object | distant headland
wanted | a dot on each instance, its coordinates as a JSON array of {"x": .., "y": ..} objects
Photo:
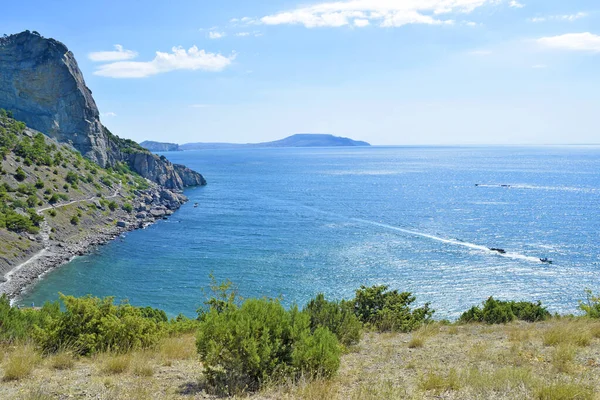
[
  {"x": 158, "y": 146},
  {"x": 298, "y": 140}
]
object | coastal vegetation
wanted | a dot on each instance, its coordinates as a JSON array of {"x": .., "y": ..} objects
[
  {"x": 50, "y": 188},
  {"x": 328, "y": 349}
]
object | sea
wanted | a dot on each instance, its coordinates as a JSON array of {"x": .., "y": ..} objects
[{"x": 290, "y": 223}]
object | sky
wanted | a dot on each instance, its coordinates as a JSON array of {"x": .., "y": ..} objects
[{"x": 390, "y": 72}]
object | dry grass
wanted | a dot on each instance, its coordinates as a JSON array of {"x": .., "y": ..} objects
[
  {"x": 568, "y": 332},
  {"x": 565, "y": 391},
  {"x": 178, "y": 348},
  {"x": 62, "y": 361},
  {"x": 20, "y": 363},
  {"x": 439, "y": 383},
  {"x": 553, "y": 360},
  {"x": 563, "y": 356},
  {"x": 142, "y": 364},
  {"x": 116, "y": 364},
  {"x": 416, "y": 342}
]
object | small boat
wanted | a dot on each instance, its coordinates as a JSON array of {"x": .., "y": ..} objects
[
  {"x": 195, "y": 205},
  {"x": 501, "y": 251},
  {"x": 546, "y": 260}
]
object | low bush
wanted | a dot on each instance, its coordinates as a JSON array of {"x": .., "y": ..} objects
[
  {"x": 17, "y": 324},
  {"x": 591, "y": 306},
  {"x": 20, "y": 175},
  {"x": 338, "y": 317},
  {"x": 389, "y": 310},
  {"x": 501, "y": 312},
  {"x": 242, "y": 347},
  {"x": 89, "y": 325}
]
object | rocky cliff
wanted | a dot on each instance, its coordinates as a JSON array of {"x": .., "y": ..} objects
[
  {"x": 159, "y": 146},
  {"x": 41, "y": 84}
]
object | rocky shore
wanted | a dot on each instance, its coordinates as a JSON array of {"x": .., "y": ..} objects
[{"x": 151, "y": 205}]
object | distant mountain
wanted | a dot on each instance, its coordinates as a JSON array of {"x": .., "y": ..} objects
[
  {"x": 298, "y": 140},
  {"x": 158, "y": 146}
]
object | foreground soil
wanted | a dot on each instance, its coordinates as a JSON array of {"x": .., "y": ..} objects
[{"x": 559, "y": 359}]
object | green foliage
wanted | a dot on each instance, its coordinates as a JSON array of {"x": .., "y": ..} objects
[
  {"x": 501, "y": 312},
  {"x": 35, "y": 151},
  {"x": 75, "y": 220},
  {"x": 16, "y": 222},
  {"x": 39, "y": 184},
  {"x": 72, "y": 178},
  {"x": 128, "y": 207},
  {"x": 53, "y": 199},
  {"x": 591, "y": 306},
  {"x": 112, "y": 205},
  {"x": 242, "y": 348},
  {"x": 90, "y": 325},
  {"x": 20, "y": 175},
  {"x": 386, "y": 310},
  {"x": 17, "y": 324},
  {"x": 338, "y": 317}
]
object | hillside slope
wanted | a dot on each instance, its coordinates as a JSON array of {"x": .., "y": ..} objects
[{"x": 54, "y": 203}]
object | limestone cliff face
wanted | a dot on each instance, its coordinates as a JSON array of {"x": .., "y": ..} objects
[{"x": 42, "y": 85}]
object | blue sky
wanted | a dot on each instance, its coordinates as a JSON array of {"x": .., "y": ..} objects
[{"x": 384, "y": 71}]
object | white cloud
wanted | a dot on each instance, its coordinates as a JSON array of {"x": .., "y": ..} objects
[
  {"x": 216, "y": 35},
  {"x": 565, "y": 17},
  {"x": 119, "y": 54},
  {"x": 516, "y": 4},
  {"x": 572, "y": 41},
  {"x": 180, "y": 59},
  {"x": 385, "y": 13},
  {"x": 539, "y": 66},
  {"x": 109, "y": 114},
  {"x": 246, "y": 34}
]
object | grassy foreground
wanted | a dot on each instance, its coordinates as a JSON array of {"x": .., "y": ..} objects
[{"x": 555, "y": 359}]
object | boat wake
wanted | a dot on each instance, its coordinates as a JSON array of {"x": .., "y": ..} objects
[
  {"x": 534, "y": 187},
  {"x": 473, "y": 246},
  {"x": 455, "y": 242}
]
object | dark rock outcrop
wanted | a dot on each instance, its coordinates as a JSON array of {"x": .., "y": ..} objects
[{"x": 41, "y": 84}]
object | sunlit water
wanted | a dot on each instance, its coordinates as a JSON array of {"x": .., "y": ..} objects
[{"x": 296, "y": 222}]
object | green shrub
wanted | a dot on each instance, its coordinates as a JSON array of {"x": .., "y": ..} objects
[
  {"x": 128, "y": 207},
  {"x": 17, "y": 324},
  {"x": 338, "y": 317},
  {"x": 20, "y": 175},
  {"x": 72, "y": 178},
  {"x": 591, "y": 306},
  {"x": 244, "y": 347},
  {"x": 501, "y": 312},
  {"x": 112, "y": 205},
  {"x": 54, "y": 199},
  {"x": 74, "y": 220},
  {"x": 89, "y": 325},
  {"x": 389, "y": 310}
]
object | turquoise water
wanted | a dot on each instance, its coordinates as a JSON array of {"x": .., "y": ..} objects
[{"x": 295, "y": 222}]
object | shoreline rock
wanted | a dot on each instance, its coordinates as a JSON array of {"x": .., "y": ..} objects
[{"x": 55, "y": 254}]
